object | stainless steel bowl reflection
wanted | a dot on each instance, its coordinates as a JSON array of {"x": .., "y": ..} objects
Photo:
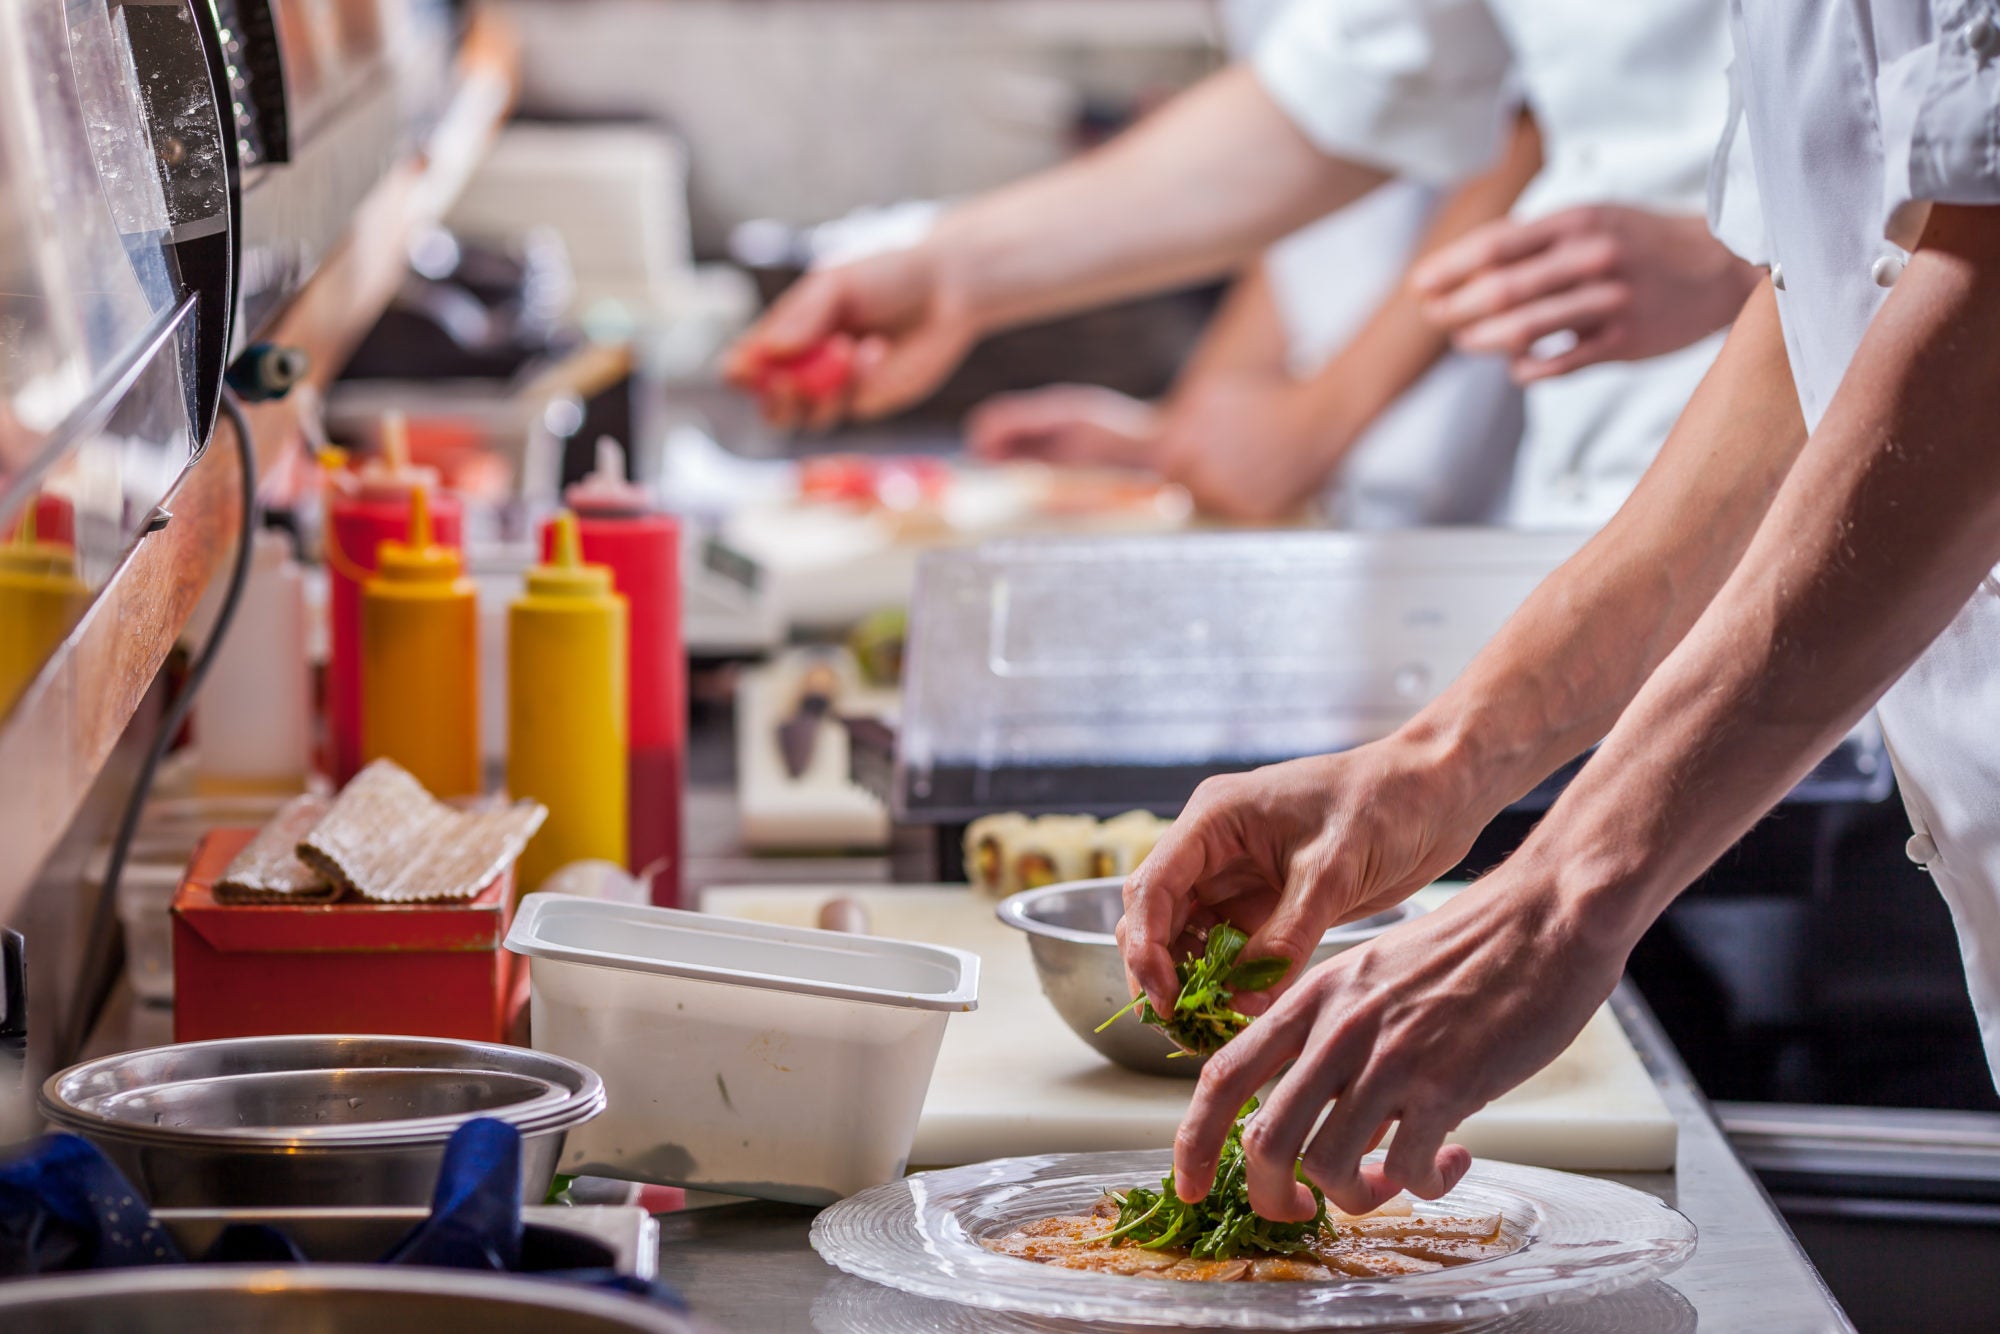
[
  {"x": 326, "y": 1299},
  {"x": 1070, "y": 933},
  {"x": 315, "y": 1120}
]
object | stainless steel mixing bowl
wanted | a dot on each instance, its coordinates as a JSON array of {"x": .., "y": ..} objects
[
  {"x": 323, "y": 1299},
  {"x": 1070, "y": 933},
  {"x": 316, "y": 1119}
]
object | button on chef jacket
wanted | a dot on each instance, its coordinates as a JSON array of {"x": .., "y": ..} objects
[
  {"x": 1443, "y": 452},
  {"x": 1856, "y": 116},
  {"x": 1630, "y": 95}
]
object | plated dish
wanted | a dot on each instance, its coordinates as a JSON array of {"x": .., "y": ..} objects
[{"x": 1559, "y": 1239}]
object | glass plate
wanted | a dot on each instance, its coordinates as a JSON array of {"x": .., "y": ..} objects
[{"x": 1576, "y": 1238}]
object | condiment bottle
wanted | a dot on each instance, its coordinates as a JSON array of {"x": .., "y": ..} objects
[
  {"x": 622, "y": 531},
  {"x": 566, "y": 708},
  {"x": 369, "y": 507},
  {"x": 253, "y": 722},
  {"x": 40, "y": 600},
  {"x": 420, "y": 660}
]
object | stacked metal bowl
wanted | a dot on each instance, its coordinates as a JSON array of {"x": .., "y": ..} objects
[{"x": 315, "y": 1120}]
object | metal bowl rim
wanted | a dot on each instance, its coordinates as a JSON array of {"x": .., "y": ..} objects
[
  {"x": 586, "y": 1097},
  {"x": 1015, "y": 910},
  {"x": 414, "y": 1134}
]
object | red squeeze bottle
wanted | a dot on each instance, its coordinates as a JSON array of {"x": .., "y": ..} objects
[
  {"x": 374, "y": 509},
  {"x": 619, "y": 528}
]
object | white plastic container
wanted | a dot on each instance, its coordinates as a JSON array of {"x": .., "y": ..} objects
[{"x": 739, "y": 1057}]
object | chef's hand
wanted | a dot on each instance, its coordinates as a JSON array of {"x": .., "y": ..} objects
[
  {"x": 1624, "y": 282},
  {"x": 862, "y": 340},
  {"x": 1247, "y": 445},
  {"x": 1075, "y": 425},
  {"x": 1420, "y": 1027},
  {"x": 1287, "y": 851}
]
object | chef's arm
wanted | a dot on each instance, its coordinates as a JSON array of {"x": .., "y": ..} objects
[
  {"x": 1558, "y": 674},
  {"x": 1886, "y": 526},
  {"x": 1190, "y": 192}
]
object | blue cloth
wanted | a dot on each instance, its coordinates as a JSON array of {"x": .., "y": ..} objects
[
  {"x": 64, "y": 1206},
  {"x": 475, "y": 1220}
]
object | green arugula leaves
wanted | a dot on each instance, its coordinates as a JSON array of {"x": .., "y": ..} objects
[
  {"x": 1202, "y": 1019},
  {"x": 1222, "y": 1226}
]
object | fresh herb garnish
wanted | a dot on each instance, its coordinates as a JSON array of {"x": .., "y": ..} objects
[
  {"x": 1202, "y": 1019},
  {"x": 1221, "y": 1226}
]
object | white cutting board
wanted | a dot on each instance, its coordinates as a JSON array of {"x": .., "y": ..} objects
[
  {"x": 821, "y": 810},
  {"x": 1012, "y": 1079}
]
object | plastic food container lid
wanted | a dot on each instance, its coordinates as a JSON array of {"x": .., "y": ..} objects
[{"x": 668, "y": 942}]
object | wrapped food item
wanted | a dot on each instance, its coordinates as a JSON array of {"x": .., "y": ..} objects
[
  {"x": 1055, "y": 849},
  {"x": 1122, "y": 842},
  {"x": 989, "y": 851}
]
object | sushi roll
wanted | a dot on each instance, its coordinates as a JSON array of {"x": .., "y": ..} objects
[
  {"x": 1122, "y": 842},
  {"x": 990, "y": 843},
  {"x": 1055, "y": 850}
]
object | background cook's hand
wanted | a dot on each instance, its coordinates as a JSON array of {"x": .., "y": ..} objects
[
  {"x": 1287, "y": 851},
  {"x": 1420, "y": 1027},
  {"x": 1247, "y": 446},
  {"x": 1075, "y": 425},
  {"x": 862, "y": 339},
  {"x": 1627, "y": 283}
]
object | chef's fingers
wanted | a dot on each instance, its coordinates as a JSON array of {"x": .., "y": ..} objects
[
  {"x": 1419, "y": 1160},
  {"x": 1576, "y": 262},
  {"x": 1275, "y": 1137},
  {"x": 1229, "y": 1079},
  {"x": 1157, "y": 899},
  {"x": 1500, "y": 242},
  {"x": 1606, "y": 342},
  {"x": 807, "y": 312},
  {"x": 901, "y": 371},
  {"x": 1291, "y": 932},
  {"x": 1577, "y": 310},
  {"x": 1333, "y": 1158}
]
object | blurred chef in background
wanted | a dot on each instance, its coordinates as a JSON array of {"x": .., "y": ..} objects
[
  {"x": 1591, "y": 291},
  {"x": 1820, "y": 532}
]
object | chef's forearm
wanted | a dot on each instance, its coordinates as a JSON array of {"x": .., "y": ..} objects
[
  {"x": 1190, "y": 193},
  {"x": 1886, "y": 526},
  {"x": 1556, "y": 677}
]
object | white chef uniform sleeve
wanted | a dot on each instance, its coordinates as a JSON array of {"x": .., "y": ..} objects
[
  {"x": 1419, "y": 88},
  {"x": 1735, "y": 212},
  {"x": 1940, "y": 108}
]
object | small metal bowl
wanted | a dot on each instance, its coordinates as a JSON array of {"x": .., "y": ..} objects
[
  {"x": 315, "y": 1120},
  {"x": 1070, "y": 933},
  {"x": 328, "y": 1299}
]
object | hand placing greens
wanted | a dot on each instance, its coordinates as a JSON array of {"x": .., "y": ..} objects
[
  {"x": 1202, "y": 1019},
  {"x": 1221, "y": 1226}
]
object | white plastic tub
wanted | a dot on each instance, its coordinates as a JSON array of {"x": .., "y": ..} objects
[{"x": 740, "y": 1057}]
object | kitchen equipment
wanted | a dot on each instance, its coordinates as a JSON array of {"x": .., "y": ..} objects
[
  {"x": 820, "y": 808},
  {"x": 1101, "y": 674},
  {"x": 1069, "y": 929},
  {"x": 316, "y": 1120},
  {"x": 782, "y": 1063},
  {"x": 1012, "y": 1078},
  {"x": 328, "y": 1299},
  {"x": 642, "y": 548},
  {"x": 245, "y": 970},
  {"x": 420, "y": 661},
  {"x": 1578, "y": 1237},
  {"x": 566, "y": 709}
]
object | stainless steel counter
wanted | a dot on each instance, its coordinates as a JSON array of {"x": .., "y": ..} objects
[{"x": 748, "y": 1266}]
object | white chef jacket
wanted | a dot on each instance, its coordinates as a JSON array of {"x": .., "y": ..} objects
[
  {"x": 1443, "y": 452},
  {"x": 1630, "y": 95},
  {"x": 1859, "y": 113}
]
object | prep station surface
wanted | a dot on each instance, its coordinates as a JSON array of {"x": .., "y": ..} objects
[{"x": 749, "y": 1266}]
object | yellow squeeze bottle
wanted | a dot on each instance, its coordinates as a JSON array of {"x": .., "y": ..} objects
[
  {"x": 566, "y": 738},
  {"x": 420, "y": 661},
  {"x": 40, "y": 600}
]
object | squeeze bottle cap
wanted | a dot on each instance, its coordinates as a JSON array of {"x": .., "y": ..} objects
[
  {"x": 392, "y": 476},
  {"x": 564, "y": 574},
  {"x": 27, "y": 556},
  {"x": 607, "y": 489},
  {"x": 420, "y": 559}
]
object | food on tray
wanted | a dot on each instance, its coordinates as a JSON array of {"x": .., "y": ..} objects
[
  {"x": 1203, "y": 1019},
  {"x": 1144, "y": 1233},
  {"x": 1009, "y": 852}
]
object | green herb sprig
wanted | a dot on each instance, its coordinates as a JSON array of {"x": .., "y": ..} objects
[
  {"x": 1203, "y": 1019},
  {"x": 1223, "y": 1225}
]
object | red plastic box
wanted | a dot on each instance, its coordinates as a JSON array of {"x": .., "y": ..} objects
[{"x": 422, "y": 969}]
